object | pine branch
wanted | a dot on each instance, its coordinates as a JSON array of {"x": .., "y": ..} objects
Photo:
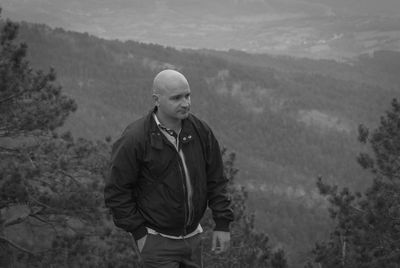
[
  {"x": 11, "y": 150},
  {"x": 2, "y": 238},
  {"x": 69, "y": 176},
  {"x": 12, "y": 96},
  {"x": 41, "y": 181},
  {"x": 30, "y": 160},
  {"x": 21, "y": 219},
  {"x": 45, "y": 221},
  {"x": 42, "y": 204},
  {"x": 15, "y": 221},
  {"x": 41, "y": 85},
  {"x": 357, "y": 209}
]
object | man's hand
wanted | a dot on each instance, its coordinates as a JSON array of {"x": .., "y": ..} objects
[
  {"x": 140, "y": 243},
  {"x": 220, "y": 241}
]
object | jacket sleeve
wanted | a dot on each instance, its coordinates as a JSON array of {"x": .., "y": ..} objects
[
  {"x": 217, "y": 183},
  {"x": 120, "y": 187}
]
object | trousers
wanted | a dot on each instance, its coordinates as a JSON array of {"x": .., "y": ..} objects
[{"x": 162, "y": 252}]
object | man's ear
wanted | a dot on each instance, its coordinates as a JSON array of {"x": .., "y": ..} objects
[{"x": 156, "y": 98}]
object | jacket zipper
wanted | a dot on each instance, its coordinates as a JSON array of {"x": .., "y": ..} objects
[
  {"x": 186, "y": 197},
  {"x": 187, "y": 206}
]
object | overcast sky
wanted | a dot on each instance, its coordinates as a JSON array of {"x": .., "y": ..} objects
[{"x": 33, "y": 9}]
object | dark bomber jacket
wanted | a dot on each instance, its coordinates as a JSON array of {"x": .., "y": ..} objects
[{"x": 146, "y": 185}]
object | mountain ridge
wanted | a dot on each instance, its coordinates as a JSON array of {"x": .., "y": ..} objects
[{"x": 324, "y": 29}]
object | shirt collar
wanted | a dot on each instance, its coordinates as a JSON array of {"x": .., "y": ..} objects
[{"x": 162, "y": 127}]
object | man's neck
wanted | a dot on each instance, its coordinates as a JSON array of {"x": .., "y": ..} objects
[{"x": 175, "y": 125}]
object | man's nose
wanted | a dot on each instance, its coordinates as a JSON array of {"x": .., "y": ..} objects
[{"x": 186, "y": 102}]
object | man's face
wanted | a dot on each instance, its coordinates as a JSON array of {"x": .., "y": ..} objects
[{"x": 174, "y": 102}]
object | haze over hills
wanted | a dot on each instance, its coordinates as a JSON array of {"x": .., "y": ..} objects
[
  {"x": 288, "y": 120},
  {"x": 310, "y": 28}
]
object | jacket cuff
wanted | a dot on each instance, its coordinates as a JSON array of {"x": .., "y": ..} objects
[
  {"x": 221, "y": 225},
  {"x": 139, "y": 232}
]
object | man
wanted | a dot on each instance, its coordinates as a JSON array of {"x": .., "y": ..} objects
[{"x": 165, "y": 169}]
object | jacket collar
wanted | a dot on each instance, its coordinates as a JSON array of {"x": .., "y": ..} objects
[{"x": 156, "y": 137}]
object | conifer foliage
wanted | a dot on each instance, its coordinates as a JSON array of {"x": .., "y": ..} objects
[
  {"x": 367, "y": 231},
  {"x": 49, "y": 184},
  {"x": 29, "y": 100},
  {"x": 249, "y": 248}
]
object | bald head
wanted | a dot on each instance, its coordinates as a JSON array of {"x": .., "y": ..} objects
[
  {"x": 171, "y": 94},
  {"x": 168, "y": 80}
]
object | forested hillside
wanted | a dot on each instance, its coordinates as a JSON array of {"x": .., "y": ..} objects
[
  {"x": 378, "y": 68},
  {"x": 52, "y": 210},
  {"x": 288, "y": 120}
]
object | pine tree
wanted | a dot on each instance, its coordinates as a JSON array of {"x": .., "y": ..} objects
[
  {"x": 367, "y": 230},
  {"x": 49, "y": 184},
  {"x": 29, "y": 100},
  {"x": 249, "y": 247}
]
